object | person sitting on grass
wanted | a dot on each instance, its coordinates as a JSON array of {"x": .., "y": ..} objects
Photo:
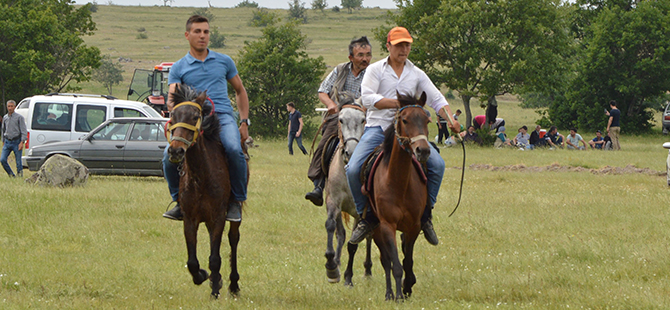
[
  {"x": 553, "y": 138},
  {"x": 501, "y": 138},
  {"x": 573, "y": 140},
  {"x": 597, "y": 142},
  {"x": 522, "y": 138},
  {"x": 471, "y": 136}
]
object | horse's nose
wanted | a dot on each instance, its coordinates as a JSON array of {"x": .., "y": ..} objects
[
  {"x": 422, "y": 153},
  {"x": 176, "y": 154}
]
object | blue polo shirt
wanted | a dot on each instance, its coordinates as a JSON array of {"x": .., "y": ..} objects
[{"x": 211, "y": 75}]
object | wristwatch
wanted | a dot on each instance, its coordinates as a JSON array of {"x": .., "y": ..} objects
[{"x": 246, "y": 121}]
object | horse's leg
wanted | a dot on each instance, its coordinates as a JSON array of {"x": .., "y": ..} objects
[
  {"x": 215, "y": 235},
  {"x": 408, "y": 241},
  {"x": 234, "y": 239},
  {"x": 341, "y": 234},
  {"x": 191, "y": 235},
  {"x": 385, "y": 240},
  {"x": 368, "y": 258},
  {"x": 332, "y": 268},
  {"x": 349, "y": 272}
]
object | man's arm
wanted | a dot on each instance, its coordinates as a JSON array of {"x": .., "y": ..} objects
[
  {"x": 609, "y": 123},
  {"x": 299, "y": 128},
  {"x": 242, "y": 100},
  {"x": 170, "y": 102},
  {"x": 329, "y": 103}
]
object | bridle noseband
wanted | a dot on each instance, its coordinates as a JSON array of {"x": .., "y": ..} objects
[
  {"x": 406, "y": 140},
  {"x": 195, "y": 129}
]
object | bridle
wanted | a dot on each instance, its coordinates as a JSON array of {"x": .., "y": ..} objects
[
  {"x": 195, "y": 129},
  {"x": 339, "y": 125},
  {"x": 406, "y": 142}
]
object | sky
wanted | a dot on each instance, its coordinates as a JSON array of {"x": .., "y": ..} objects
[{"x": 271, "y": 4}]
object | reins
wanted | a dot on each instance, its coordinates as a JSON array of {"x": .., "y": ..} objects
[{"x": 460, "y": 190}]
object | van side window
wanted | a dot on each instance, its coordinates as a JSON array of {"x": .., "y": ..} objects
[
  {"x": 89, "y": 117},
  {"x": 52, "y": 116},
  {"x": 126, "y": 112}
]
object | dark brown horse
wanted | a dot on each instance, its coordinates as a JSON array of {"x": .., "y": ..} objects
[
  {"x": 399, "y": 193},
  {"x": 204, "y": 187}
]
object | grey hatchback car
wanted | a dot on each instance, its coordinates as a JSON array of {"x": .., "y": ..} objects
[{"x": 122, "y": 146}]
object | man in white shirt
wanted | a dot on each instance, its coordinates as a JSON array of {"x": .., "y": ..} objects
[{"x": 378, "y": 93}]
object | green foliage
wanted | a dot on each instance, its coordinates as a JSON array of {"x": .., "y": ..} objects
[
  {"x": 142, "y": 36},
  {"x": 275, "y": 70},
  {"x": 247, "y": 4},
  {"x": 624, "y": 56},
  {"x": 94, "y": 7},
  {"x": 319, "y": 5},
  {"x": 351, "y": 4},
  {"x": 483, "y": 48},
  {"x": 336, "y": 9},
  {"x": 297, "y": 11},
  {"x": 108, "y": 74},
  {"x": 534, "y": 100},
  {"x": 206, "y": 13},
  {"x": 42, "y": 50},
  {"x": 216, "y": 39},
  {"x": 488, "y": 137},
  {"x": 263, "y": 17}
]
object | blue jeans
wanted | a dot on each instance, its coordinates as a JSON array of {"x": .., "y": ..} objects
[
  {"x": 8, "y": 147},
  {"x": 298, "y": 140},
  {"x": 237, "y": 165},
  {"x": 372, "y": 137}
]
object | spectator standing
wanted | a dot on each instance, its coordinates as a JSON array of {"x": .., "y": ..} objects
[
  {"x": 295, "y": 125},
  {"x": 14, "y": 134},
  {"x": 613, "y": 126},
  {"x": 443, "y": 131},
  {"x": 573, "y": 140}
]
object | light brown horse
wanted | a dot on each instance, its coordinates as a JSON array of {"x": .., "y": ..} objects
[
  {"x": 399, "y": 193},
  {"x": 204, "y": 187}
]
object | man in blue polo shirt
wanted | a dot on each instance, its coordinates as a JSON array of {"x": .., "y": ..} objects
[{"x": 207, "y": 70}]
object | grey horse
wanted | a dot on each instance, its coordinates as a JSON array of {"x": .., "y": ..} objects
[{"x": 338, "y": 196}]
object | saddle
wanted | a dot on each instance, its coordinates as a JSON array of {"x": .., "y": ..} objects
[
  {"x": 329, "y": 153},
  {"x": 370, "y": 167}
]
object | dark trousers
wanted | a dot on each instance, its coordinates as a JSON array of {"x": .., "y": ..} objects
[
  {"x": 298, "y": 140},
  {"x": 443, "y": 132},
  {"x": 329, "y": 129}
]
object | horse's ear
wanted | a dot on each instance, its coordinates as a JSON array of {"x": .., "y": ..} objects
[
  {"x": 201, "y": 98},
  {"x": 422, "y": 100}
]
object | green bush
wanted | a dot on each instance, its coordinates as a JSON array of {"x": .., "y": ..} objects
[
  {"x": 142, "y": 36},
  {"x": 296, "y": 10},
  {"x": 487, "y": 136},
  {"x": 204, "y": 12},
  {"x": 247, "y": 4},
  {"x": 262, "y": 17},
  {"x": 216, "y": 39}
]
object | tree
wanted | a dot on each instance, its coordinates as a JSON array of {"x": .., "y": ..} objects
[
  {"x": 296, "y": 10},
  {"x": 352, "y": 4},
  {"x": 262, "y": 17},
  {"x": 624, "y": 56},
  {"x": 109, "y": 74},
  {"x": 247, "y": 4},
  {"x": 42, "y": 50},
  {"x": 319, "y": 5},
  {"x": 204, "y": 12},
  {"x": 276, "y": 70},
  {"x": 483, "y": 48}
]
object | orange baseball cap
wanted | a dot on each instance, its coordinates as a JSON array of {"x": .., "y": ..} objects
[{"x": 397, "y": 35}]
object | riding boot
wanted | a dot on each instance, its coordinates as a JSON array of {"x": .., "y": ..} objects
[
  {"x": 316, "y": 196},
  {"x": 365, "y": 227},
  {"x": 174, "y": 213},
  {"x": 427, "y": 226},
  {"x": 234, "y": 212}
]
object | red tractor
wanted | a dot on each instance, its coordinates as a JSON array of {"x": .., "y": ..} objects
[{"x": 151, "y": 87}]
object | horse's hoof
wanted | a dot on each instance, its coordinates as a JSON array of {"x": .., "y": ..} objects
[
  {"x": 202, "y": 276},
  {"x": 348, "y": 283},
  {"x": 215, "y": 296},
  {"x": 333, "y": 275}
]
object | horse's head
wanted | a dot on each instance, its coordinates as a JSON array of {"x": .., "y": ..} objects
[
  {"x": 411, "y": 126},
  {"x": 185, "y": 121},
  {"x": 351, "y": 124}
]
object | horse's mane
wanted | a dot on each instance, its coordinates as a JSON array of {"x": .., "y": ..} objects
[
  {"x": 210, "y": 123},
  {"x": 389, "y": 133}
]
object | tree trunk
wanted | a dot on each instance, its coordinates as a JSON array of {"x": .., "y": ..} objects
[{"x": 468, "y": 113}]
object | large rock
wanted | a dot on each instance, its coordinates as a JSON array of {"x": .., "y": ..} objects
[{"x": 61, "y": 171}]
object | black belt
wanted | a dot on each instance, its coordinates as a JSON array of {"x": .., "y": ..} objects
[{"x": 15, "y": 139}]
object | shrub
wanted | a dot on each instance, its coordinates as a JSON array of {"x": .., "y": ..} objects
[
  {"x": 296, "y": 10},
  {"x": 262, "y": 17},
  {"x": 319, "y": 5},
  {"x": 141, "y": 29},
  {"x": 216, "y": 39},
  {"x": 336, "y": 9},
  {"x": 142, "y": 36},
  {"x": 247, "y": 4},
  {"x": 204, "y": 12}
]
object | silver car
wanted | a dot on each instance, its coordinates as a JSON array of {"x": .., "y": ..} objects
[
  {"x": 665, "y": 121},
  {"x": 667, "y": 162},
  {"x": 123, "y": 146}
]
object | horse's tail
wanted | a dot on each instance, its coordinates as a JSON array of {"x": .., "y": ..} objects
[{"x": 346, "y": 217}]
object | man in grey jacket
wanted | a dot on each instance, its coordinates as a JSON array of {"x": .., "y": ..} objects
[{"x": 14, "y": 134}]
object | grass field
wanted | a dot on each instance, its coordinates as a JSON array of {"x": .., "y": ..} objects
[{"x": 557, "y": 239}]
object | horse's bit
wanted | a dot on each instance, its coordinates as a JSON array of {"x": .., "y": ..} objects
[
  {"x": 406, "y": 140},
  {"x": 195, "y": 129}
]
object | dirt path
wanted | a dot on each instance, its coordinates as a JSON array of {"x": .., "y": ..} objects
[{"x": 629, "y": 169}]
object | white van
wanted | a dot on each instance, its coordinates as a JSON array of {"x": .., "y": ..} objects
[{"x": 61, "y": 117}]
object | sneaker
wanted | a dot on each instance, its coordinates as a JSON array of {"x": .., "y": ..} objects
[
  {"x": 362, "y": 231},
  {"x": 429, "y": 232},
  {"x": 174, "y": 213},
  {"x": 315, "y": 196},
  {"x": 234, "y": 212}
]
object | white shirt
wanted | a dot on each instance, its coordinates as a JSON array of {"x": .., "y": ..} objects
[{"x": 380, "y": 81}]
